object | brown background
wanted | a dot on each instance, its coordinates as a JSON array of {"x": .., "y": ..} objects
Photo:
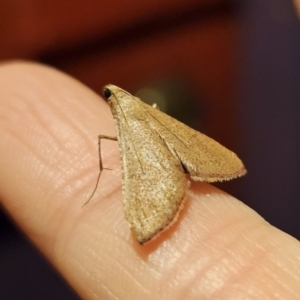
[{"x": 221, "y": 65}]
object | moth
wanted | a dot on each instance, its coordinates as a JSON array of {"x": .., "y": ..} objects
[{"x": 159, "y": 156}]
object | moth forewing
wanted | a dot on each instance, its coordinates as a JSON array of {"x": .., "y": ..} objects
[{"x": 204, "y": 158}]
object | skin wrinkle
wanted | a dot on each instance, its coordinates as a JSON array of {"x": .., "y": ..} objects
[
  {"x": 90, "y": 276},
  {"x": 53, "y": 139},
  {"x": 119, "y": 264},
  {"x": 278, "y": 247},
  {"x": 247, "y": 271},
  {"x": 53, "y": 136},
  {"x": 219, "y": 198},
  {"x": 66, "y": 236},
  {"x": 220, "y": 233},
  {"x": 55, "y": 215},
  {"x": 38, "y": 158},
  {"x": 204, "y": 277},
  {"x": 203, "y": 269},
  {"x": 267, "y": 250},
  {"x": 285, "y": 270}
]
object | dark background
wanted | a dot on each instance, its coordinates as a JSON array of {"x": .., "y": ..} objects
[{"x": 229, "y": 68}]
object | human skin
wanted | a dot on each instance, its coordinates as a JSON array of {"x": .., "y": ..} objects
[{"x": 218, "y": 249}]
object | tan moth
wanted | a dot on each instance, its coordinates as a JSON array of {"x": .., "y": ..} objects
[{"x": 159, "y": 154}]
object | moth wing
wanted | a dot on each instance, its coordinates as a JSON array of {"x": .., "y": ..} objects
[
  {"x": 154, "y": 181},
  {"x": 202, "y": 157}
]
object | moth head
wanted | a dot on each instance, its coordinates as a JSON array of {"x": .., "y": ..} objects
[
  {"x": 111, "y": 90},
  {"x": 107, "y": 92}
]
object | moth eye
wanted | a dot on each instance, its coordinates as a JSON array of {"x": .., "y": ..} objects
[{"x": 106, "y": 93}]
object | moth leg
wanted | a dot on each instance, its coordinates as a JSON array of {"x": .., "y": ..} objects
[
  {"x": 154, "y": 105},
  {"x": 106, "y": 137}
]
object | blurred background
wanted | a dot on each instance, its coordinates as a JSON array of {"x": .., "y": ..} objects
[{"x": 230, "y": 69}]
